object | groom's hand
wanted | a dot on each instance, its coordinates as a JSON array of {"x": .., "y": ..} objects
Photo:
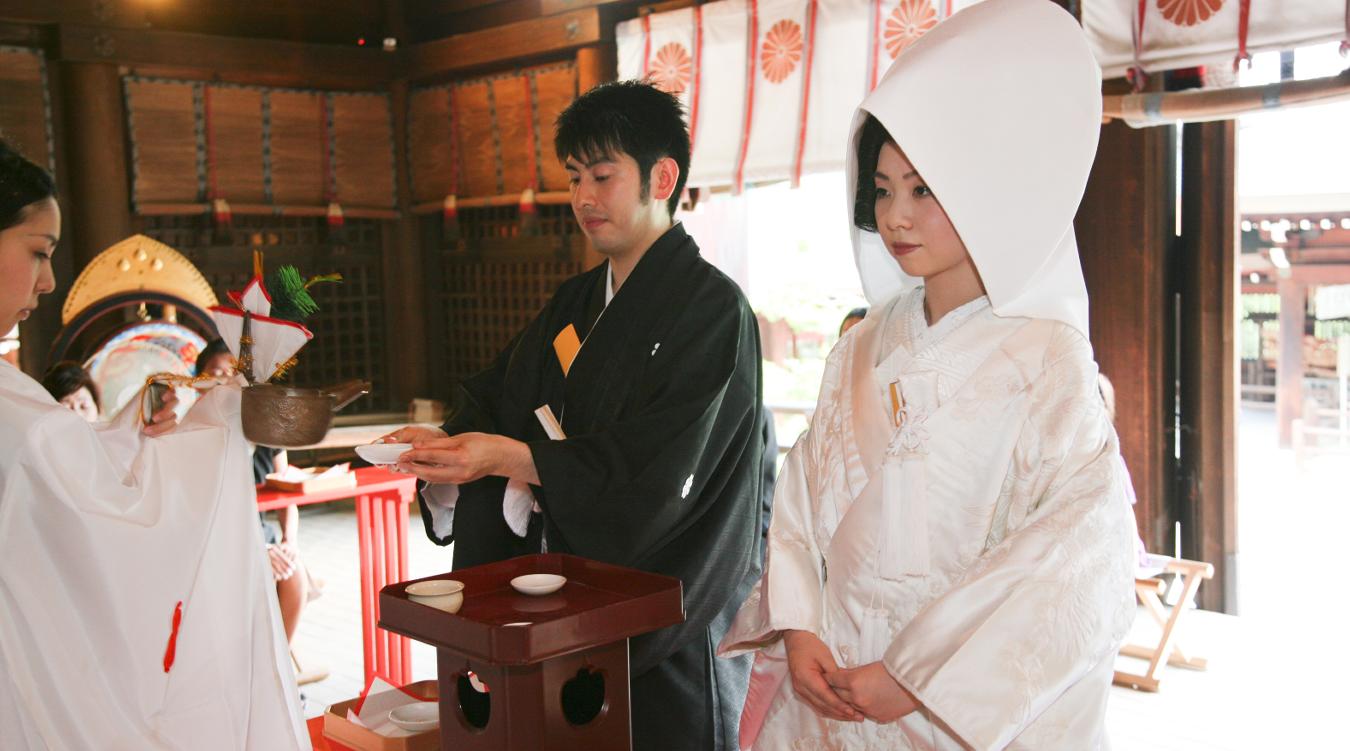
[
  {"x": 467, "y": 457},
  {"x": 412, "y": 434}
]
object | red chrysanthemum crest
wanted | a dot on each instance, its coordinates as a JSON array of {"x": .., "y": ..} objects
[
  {"x": 781, "y": 51},
  {"x": 672, "y": 68},
  {"x": 909, "y": 21},
  {"x": 1188, "y": 12}
]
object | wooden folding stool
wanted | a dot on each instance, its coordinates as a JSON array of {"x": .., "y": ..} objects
[{"x": 1168, "y": 649}]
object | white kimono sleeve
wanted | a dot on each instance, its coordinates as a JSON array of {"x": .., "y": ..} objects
[
  {"x": 1051, "y": 598},
  {"x": 788, "y": 595}
]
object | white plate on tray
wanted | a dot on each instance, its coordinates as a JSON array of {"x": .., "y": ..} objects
[{"x": 538, "y": 584}]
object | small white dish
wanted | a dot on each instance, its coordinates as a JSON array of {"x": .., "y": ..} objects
[
  {"x": 382, "y": 453},
  {"x": 538, "y": 584},
  {"x": 417, "y": 717},
  {"x": 443, "y": 594}
]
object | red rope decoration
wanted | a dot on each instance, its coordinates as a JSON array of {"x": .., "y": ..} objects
[
  {"x": 211, "y": 192},
  {"x": 739, "y": 179},
  {"x": 171, "y": 649},
  {"x": 1135, "y": 74},
  {"x": 328, "y": 192},
  {"x": 806, "y": 92},
  {"x": 646, "y": 46},
  {"x": 530, "y": 134},
  {"x": 1345, "y": 43},
  {"x": 697, "y": 82},
  {"x": 1244, "y": 14},
  {"x": 875, "y": 45},
  {"x": 454, "y": 144}
]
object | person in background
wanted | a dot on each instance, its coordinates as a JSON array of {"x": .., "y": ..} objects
[
  {"x": 71, "y": 386},
  {"x": 851, "y": 319},
  {"x": 1108, "y": 392}
]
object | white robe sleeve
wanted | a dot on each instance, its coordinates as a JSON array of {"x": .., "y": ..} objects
[
  {"x": 440, "y": 500},
  {"x": 788, "y": 595},
  {"x": 137, "y": 607},
  {"x": 1051, "y": 597}
]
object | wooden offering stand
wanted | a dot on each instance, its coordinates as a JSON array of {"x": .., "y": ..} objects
[{"x": 555, "y": 666}]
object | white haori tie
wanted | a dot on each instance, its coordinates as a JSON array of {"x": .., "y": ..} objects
[
  {"x": 904, "y": 538},
  {"x": 518, "y": 501}
]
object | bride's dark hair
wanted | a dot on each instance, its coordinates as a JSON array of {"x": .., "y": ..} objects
[{"x": 870, "y": 141}]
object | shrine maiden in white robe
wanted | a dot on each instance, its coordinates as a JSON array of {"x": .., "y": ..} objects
[
  {"x": 137, "y": 607},
  {"x": 957, "y": 509}
]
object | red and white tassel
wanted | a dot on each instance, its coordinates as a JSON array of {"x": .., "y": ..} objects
[
  {"x": 450, "y": 220},
  {"x": 529, "y": 213}
]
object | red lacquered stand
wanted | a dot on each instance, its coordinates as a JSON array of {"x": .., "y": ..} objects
[{"x": 555, "y": 666}]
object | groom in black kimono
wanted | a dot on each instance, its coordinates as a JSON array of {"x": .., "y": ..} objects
[{"x": 651, "y": 363}]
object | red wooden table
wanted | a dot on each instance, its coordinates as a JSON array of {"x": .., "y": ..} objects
[{"x": 382, "y": 499}]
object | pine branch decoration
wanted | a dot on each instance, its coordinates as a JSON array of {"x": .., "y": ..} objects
[{"x": 289, "y": 291}]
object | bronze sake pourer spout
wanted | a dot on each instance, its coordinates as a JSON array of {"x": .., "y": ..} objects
[{"x": 287, "y": 417}]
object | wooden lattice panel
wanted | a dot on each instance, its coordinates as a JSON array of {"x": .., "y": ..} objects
[
  {"x": 163, "y": 125},
  {"x": 252, "y": 145},
  {"x": 517, "y": 131},
  {"x": 349, "y": 330},
  {"x": 489, "y": 136},
  {"x": 429, "y": 145},
  {"x": 363, "y": 150},
  {"x": 297, "y": 147},
  {"x": 25, "y": 118},
  {"x": 555, "y": 88},
  {"x": 487, "y": 303},
  {"x": 479, "y": 149},
  {"x": 235, "y": 142}
]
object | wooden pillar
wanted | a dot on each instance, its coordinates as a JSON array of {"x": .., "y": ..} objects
[
  {"x": 595, "y": 65},
  {"x": 405, "y": 295},
  {"x": 98, "y": 208},
  {"x": 1289, "y": 372},
  {"x": 1208, "y": 373},
  {"x": 1124, "y": 226}
]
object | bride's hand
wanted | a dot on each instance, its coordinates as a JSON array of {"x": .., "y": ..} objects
[
  {"x": 808, "y": 662},
  {"x": 873, "y": 691}
]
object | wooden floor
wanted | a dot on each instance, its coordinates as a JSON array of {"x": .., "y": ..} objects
[{"x": 1276, "y": 676}]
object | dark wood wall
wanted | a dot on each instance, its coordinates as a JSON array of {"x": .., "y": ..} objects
[
  {"x": 1125, "y": 231},
  {"x": 417, "y": 299},
  {"x": 1157, "y": 240}
]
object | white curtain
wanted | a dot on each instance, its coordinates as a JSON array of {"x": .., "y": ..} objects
[
  {"x": 1185, "y": 33},
  {"x": 771, "y": 85}
]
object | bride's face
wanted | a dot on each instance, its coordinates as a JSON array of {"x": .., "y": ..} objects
[
  {"x": 26, "y": 261},
  {"x": 916, "y": 230}
]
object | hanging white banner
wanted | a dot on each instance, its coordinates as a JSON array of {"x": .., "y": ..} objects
[{"x": 1186, "y": 33}]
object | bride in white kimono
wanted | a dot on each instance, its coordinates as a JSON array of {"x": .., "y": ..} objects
[
  {"x": 137, "y": 610},
  {"x": 950, "y": 564}
]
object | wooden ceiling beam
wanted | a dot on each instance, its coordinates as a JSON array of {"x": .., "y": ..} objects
[
  {"x": 228, "y": 56},
  {"x": 334, "y": 21},
  {"x": 524, "y": 40}
]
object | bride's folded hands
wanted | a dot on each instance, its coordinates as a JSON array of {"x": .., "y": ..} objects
[{"x": 872, "y": 691}]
